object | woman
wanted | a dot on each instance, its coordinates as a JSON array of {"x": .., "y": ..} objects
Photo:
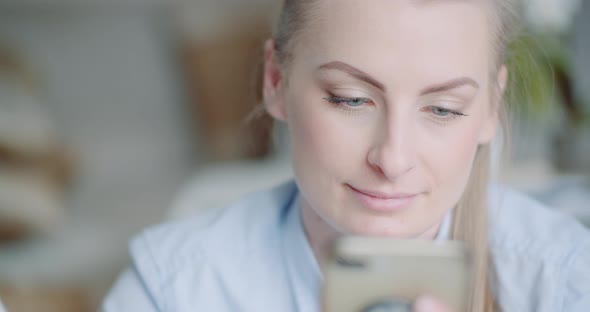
[{"x": 391, "y": 107}]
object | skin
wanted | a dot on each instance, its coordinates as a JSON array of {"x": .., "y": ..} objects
[{"x": 385, "y": 100}]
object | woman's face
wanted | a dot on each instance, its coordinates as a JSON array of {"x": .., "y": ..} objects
[{"x": 386, "y": 103}]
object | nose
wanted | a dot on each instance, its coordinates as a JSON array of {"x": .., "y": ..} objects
[{"x": 393, "y": 153}]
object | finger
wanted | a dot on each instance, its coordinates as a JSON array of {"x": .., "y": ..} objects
[{"x": 429, "y": 304}]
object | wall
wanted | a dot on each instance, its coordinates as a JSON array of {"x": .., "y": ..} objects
[{"x": 112, "y": 83}]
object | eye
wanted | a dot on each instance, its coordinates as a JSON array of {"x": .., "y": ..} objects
[
  {"x": 443, "y": 113},
  {"x": 351, "y": 102},
  {"x": 439, "y": 111}
]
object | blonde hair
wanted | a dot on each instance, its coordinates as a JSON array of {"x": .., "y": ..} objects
[{"x": 470, "y": 218}]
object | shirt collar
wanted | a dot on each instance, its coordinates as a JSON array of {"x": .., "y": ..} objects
[
  {"x": 444, "y": 231},
  {"x": 304, "y": 272}
]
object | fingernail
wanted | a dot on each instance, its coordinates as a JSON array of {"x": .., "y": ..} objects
[{"x": 425, "y": 304}]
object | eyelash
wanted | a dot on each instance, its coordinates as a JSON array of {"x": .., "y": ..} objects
[
  {"x": 453, "y": 114},
  {"x": 340, "y": 103}
]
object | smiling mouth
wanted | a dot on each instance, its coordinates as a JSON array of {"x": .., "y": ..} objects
[{"x": 383, "y": 202}]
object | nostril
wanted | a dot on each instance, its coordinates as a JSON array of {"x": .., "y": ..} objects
[
  {"x": 389, "y": 166},
  {"x": 378, "y": 169}
]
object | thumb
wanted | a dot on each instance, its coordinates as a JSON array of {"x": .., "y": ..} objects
[{"x": 429, "y": 304}]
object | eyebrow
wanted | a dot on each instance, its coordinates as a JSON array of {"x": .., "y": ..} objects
[
  {"x": 361, "y": 75},
  {"x": 450, "y": 85},
  {"x": 353, "y": 71}
]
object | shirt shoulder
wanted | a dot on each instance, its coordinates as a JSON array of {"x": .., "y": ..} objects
[
  {"x": 541, "y": 255},
  {"x": 519, "y": 222},
  {"x": 207, "y": 249},
  {"x": 252, "y": 217}
]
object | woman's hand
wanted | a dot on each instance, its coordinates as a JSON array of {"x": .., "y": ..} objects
[{"x": 429, "y": 304}]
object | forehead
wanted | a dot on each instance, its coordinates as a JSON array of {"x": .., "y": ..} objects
[{"x": 418, "y": 39}]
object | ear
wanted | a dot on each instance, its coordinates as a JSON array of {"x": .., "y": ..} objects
[
  {"x": 272, "y": 83},
  {"x": 493, "y": 118}
]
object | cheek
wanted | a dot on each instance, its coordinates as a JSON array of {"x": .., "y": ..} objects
[
  {"x": 449, "y": 158},
  {"x": 326, "y": 138}
]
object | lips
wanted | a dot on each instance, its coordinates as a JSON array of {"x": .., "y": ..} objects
[{"x": 381, "y": 201}]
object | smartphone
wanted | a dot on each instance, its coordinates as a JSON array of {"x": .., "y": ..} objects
[{"x": 381, "y": 274}]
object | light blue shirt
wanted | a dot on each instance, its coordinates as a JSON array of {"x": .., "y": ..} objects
[{"x": 254, "y": 256}]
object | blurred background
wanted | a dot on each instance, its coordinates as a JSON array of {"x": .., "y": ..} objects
[{"x": 109, "y": 109}]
